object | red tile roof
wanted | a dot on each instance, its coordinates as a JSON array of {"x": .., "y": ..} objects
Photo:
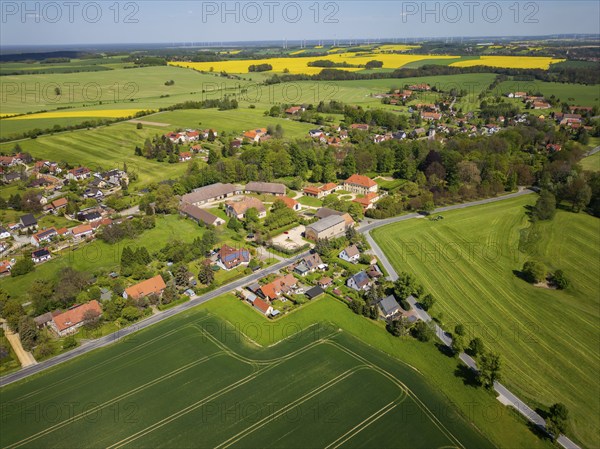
[
  {"x": 75, "y": 316},
  {"x": 261, "y": 305},
  {"x": 363, "y": 181},
  {"x": 150, "y": 286},
  {"x": 289, "y": 202}
]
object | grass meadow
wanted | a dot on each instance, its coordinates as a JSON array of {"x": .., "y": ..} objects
[{"x": 548, "y": 338}]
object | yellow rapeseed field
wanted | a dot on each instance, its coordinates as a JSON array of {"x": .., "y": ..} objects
[
  {"x": 297, "y": 52},
  {"x": 103, "y": 113},
  {"x": 511, "y": 62},
  {"x": 395, "y": 47},
  {"x": 299, "y": 65}
]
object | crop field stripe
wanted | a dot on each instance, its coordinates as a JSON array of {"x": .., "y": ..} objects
[
  {"x": 299, "y": 401},
  {"x": 105, "y": 404},
  {"x": 484, "y": 283},
  {"x": 190, "y": 408},
  {"x": 95, "y": 367},
  {"x": 362, "y": 425},
  {"x": 434, "y": 419}
]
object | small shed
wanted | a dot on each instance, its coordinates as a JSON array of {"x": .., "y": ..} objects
[{"x": 314, "y": 292}]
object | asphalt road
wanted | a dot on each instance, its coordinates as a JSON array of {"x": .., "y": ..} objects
[
  {"x": 120, "y": 334},
  {"x": 365, "y": 227}
]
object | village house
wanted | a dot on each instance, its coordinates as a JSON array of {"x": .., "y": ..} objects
[
  {"x": 368, "y": 201},
  {"x": 78, "y": 174},
  {"x": 264, "y": 307},
  {"x": 294, "y": 110},
  {"x": 115, "y": 177},
  {"x": 290, "y": 202},
  {"x": 431, "y": 115},
  {"x": 350, "y": 254},
  {"x": 200, "y": 215},
  {"x": 309, "y": 264},
  {"x": 5, "y": 267},
  {"x": 360, "y": 281},
  {"x": 274, "y": 289},
  {"x": 420, "y": 87},
  {"x": 11, "y": 177},
  {"x": 58, "y": 204},
  {"x": 229, "y": 258},
  {"x": 43, "y": 236},
  {"x": 28, "y": 222},
  {"x": 93, "y": 193},
  {"x": 68, "y": 322},
  {"x": 316, "y": 133},
  {"x": 553, "y": 147},
  {"x": 185, "y": 156},
  {"x": 82, "y": 231},
  {"x": 325, "y": 282},
  {"x": 359, "y": 126},
  {"x": 238, "y": 209},
  {"x": 153, "y": 286},
  {"x": 320, "y": 192},
  {"x": 255, "y": 135},
  {"x": 9, "y": 161},
  {"x": 360, "y": 185},
  {"x": 210, "y": 193},
  {"x": 4, "y": 234},
  {"x": 389, "y": 306},
  {"x": 40, "y": 255}
]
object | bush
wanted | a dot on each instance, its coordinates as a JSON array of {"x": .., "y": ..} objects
[
  {"x": 423, "y": 331},
  {"x": 559, "y": 280},
  {"x": 70, "y": 342},
  {"x": 534, "y": 271}
]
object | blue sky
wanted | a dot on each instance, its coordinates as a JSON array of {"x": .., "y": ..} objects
[{"x": 89, "y": 22}]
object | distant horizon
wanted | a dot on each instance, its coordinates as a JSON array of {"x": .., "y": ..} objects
[
  {"x": 296, "y": 43},
  {"x": 149, "y": 22}
]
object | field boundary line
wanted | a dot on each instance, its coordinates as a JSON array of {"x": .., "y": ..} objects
[
  {"x": 299, "y": 401},
  {"x": 201, "y": 402},
  {"x": 122, "y": 396},
  {"x": 363, "y": 425},
  {"x": 434, "y": 419}
]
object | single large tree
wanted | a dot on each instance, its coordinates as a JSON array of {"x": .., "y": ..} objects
[{"x": 545, "y": 207}]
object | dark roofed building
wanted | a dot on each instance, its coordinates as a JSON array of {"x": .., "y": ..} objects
[
  {"x": 210, "y": 193},
  {"x": 360, "y": 281},
  {"x": 314, "y": 292},
  {"x": 271, "y": 188},
  {"x": 200, "y": 215},
  {"x": 389, "y": 306},
  {"x": 325, "y": 212},
  {"x": 28, "y": 221}
]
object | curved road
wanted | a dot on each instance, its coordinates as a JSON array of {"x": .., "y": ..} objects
[{"x": 365, "y": 227}]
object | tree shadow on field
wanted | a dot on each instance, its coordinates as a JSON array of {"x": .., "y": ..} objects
[
  {"x": 468, "y": 376},
  {"x": 448, "y": 352},
  {"x": 529, "y": 212},
  {"x": 538, "y": 431},
  {"x": 521, "y": 275}
]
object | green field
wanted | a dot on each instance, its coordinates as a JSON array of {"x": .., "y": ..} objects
[
  {"x": 592, "y": 162},
  {"x": 213, "y": 388},
  {"x": 148, "y": 87},
  {"x": 573, "y": 94},
  {"x": 111, "y": 146},
  {"x": 548, "y": 339}
]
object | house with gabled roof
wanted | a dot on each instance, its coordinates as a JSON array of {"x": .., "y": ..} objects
[
  {"x": 238, "y": 209},
  {"x": 200, "y": 215},
  {"x": 360, "y": 184},
  {"x": 44, "y": 236},
  {"x": 68, "y": 322},
  {"x": 309, "y": 264},
  {"x": 275, "y": 288},
  {"x": 28, "y": 221},
  {"x": 264, "y": 307},
  {"x": 360, "y": 281},
  {"x": 350, "y": 254},
  {"x": 269, "y": 188},
  {"x": 41, "y": 255},
  {"x": 389, "y": 306},
  {"x": 229, "y": 258},
  {"x": 153, "y": 286}
]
